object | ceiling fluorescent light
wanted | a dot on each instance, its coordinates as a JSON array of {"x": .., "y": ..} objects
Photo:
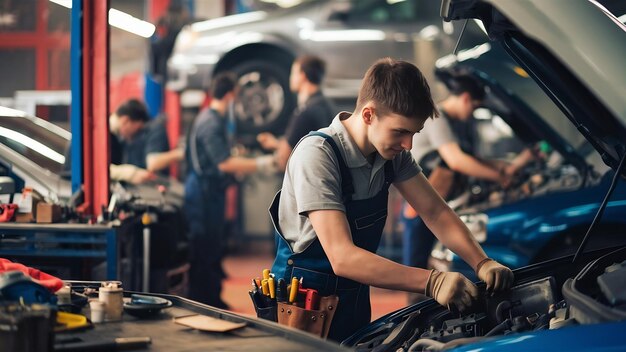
[
  {"x": 124, "y": 21},
  {"x": 64, "y": 3},
  {"x": 121, "y": 20}
]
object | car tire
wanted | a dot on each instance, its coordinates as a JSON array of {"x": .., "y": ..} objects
[{"x": 265, "y": 101}]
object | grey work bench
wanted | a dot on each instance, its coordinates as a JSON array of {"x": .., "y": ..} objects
[
  {"x": 61, "y": 241},
  {"x": 257, "y": 335}
]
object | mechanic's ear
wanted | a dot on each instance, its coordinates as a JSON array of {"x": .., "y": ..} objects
[{"x": 367, "y": 113}]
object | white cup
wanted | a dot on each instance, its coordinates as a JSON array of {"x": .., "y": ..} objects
[
  {"x": 97, "y": 311},
  {"x": 112, "y": 297}
]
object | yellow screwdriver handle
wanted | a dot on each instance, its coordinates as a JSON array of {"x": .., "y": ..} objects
[
  {"x": 294, "y": 289},
  {"x": 272, "y": 287},
  {"x": 266, "y": 274},
  {"x": 264, "y": 287}
]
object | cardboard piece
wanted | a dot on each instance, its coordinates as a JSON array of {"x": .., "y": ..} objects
[
  {"x": 204, "y": 323},
  {"x": 48, "y": 213},
  {"x": 27, "y": 206}
]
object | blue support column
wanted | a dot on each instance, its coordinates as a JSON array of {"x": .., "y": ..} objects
[
  {"x": 76, "y": 121},
  {"x": 112, "y": 255}
]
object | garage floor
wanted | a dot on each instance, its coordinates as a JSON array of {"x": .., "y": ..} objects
[{"x": 241, "y": 269}]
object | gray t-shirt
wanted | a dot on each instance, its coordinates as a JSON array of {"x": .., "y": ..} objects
[
  {"x": 313, "y": 180},
  {"x": 436, "y": 132}
]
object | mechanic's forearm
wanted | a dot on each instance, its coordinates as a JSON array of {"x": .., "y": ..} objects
[
  {"x": 282, "y": 154},
  {"x": 159, "y": 161},
  {"x": 371, "y": 269},
  {"x": 352, "y": 262},
  {"x": 453, "y": 233},
  {"x": 124, "y": 172},
  {"x": 470, "y": 166},
  {"x": 238, "y": 164}
]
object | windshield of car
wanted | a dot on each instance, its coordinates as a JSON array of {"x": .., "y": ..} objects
[{"x": 35, "y": 140}]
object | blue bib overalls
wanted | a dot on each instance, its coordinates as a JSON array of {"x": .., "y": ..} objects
[{"x": 367, "y": 220}]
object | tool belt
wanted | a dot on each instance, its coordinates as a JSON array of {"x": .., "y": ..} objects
[
  {"x": 314, "y": 321},
  {"x": 293, "y": 305}
]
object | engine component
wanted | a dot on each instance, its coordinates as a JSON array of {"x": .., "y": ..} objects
[
  {"x": 613, "y": 284},
  {"x": 467, "y": 326}
]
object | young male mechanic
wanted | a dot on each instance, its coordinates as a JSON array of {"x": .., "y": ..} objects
[
  {"x": 314, "y": 110},
  {"x": 144, "y": 141},
  {"x": 448, "y": 142},
  {"x": 332, "y": 207},
  {"x": 208, "y": 155}
]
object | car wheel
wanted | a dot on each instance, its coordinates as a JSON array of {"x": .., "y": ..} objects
[{"x": 265, "y": 101}]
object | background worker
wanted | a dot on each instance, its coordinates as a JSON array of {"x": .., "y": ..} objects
[
  {"x": 443, "y": 149},
  {"x": 332, "y": 207},
  {"x": 144, "y": 142},
  {"x": 208, "y": 155},
  {"x": 314, "y": 110}
]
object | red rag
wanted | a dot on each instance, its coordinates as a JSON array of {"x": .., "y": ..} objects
[{"x": 48, "y": 281}]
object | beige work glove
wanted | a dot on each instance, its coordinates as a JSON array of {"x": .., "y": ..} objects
[
  {"x": 497, "y": 276},
  {"x": 451, "y": 290}
]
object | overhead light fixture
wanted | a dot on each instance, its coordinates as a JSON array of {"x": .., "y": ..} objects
[
  {"x": 131, "y": 24},
  {"x": 121, "y": 20}
]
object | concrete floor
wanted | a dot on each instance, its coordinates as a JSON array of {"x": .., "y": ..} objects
[{"x": 242, "y": 268}]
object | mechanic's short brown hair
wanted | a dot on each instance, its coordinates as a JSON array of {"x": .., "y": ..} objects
[
  {"x": 223, "y": 83},
  {"x": 313, "y": 68},
  {"x": 397, "y": 87}
]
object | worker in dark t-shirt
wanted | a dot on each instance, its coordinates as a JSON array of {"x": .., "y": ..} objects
[{"x": 314, "y": 110}]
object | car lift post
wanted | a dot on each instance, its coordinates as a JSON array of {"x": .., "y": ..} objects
[{"x": 90, "y": 102}]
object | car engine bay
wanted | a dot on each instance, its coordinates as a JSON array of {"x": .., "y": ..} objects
[{"x": 565, "y": 295}]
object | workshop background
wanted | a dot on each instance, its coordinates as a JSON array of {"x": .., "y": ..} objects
[{"x": 37, "y": 63}]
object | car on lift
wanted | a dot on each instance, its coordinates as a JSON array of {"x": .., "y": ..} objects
[
  {"x": 260, "y": 47},
  {"x": 576, "y": 302}
]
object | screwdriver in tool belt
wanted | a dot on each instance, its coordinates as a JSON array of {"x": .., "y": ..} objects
[
  {"x": 295, "y": 284},
  {"x": 265, "y": 287},
  {"x": 281, "y": 290},
  {"x": 272, "y": 287}
]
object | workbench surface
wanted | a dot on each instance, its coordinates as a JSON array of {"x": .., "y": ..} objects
[{"x": 257, "y": 335}]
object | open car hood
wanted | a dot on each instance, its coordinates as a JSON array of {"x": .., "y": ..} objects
[
  {"x": 581, "y": 70},
  {"x": 515, "y": 97}
]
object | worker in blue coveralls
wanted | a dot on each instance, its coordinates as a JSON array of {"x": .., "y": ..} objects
[
  {"x": 331, "y": 211},
  {"x": 208, "y": 154}
]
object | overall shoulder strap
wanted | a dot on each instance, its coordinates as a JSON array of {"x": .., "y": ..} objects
[
  {"x": 389, "y": 173},
  {"x": 193, "y": 142},
  {"x": 347, "y": 188}
]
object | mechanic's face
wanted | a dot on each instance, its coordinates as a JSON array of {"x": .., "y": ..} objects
[
  {"x": 296, "y": 78},
  {"x": 392, "y": 133},
  {"x": 127, "y": 128},
  {"x": 468, "y": 105}
]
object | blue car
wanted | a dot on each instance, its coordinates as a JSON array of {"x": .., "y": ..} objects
[{"x": 574, "y": 54}]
